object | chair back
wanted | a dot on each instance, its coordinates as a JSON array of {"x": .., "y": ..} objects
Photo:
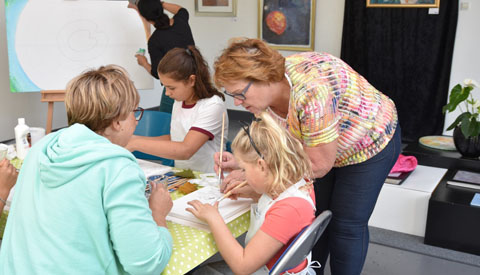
[
  {"x": 302, "y": 245},
  {"x": 152, "y": 124}
]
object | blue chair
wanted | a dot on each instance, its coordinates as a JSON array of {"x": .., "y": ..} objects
[
  {"x": 302, "y": 245},
  {"x": 229, "y": 146},
  {"x": 152, "y": 124}
]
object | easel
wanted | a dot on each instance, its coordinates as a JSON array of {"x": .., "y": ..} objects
[{"x": 51, "y": 96}]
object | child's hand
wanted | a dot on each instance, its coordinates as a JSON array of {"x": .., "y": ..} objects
[
  {"x": 141, "y": 60},
  {"x": 203, "y": 211}
]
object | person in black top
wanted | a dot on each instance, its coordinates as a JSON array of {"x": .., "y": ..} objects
[{"x": 169, "y": 33}]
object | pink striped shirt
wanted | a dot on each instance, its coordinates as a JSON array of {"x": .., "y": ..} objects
[{"x": 329, "y": 101}]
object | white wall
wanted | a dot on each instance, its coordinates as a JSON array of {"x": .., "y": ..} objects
[
  {"x": 211, "y": 35},
  {"x": 466, "y": 54}
]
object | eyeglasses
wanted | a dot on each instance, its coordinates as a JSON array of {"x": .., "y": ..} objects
[
  {"x": 246, "y": 128},
  {"x": 241, "y": 95},
  {"x": 138, "y": 113}
]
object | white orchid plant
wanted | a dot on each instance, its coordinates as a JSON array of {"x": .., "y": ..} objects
[{"x": 468, "y": 120}]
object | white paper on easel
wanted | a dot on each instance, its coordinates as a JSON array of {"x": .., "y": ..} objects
[
  {"x": 152, "y": 169},
  {"x": 229, "y": 209}
]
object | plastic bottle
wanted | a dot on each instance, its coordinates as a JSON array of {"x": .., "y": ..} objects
[{"x": 22, "y": 134}]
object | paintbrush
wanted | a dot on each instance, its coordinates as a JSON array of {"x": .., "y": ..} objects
[
  {"x": 221, "y": 151},
  {"x": 229, "y": 193}
]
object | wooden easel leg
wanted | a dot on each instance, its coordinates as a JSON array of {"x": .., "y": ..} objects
[{"x": 49, "y": 118}]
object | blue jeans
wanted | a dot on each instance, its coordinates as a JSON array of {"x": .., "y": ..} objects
[{"x": 351, "y": 192}]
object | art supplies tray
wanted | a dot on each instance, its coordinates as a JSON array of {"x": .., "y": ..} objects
[
  {"x": 169, "y": 179},
  {"x": 229, "y": 209}
]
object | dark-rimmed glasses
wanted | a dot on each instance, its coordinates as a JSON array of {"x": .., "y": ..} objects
[
  {"x": 241, "y": 95},
  {"x": 138, "y": 113},
  {"x": 246, "y": 128}
]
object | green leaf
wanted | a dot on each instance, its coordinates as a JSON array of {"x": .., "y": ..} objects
[
  {"x": 469, "y": 126},
  {"x": 476, "y": 127},
  {"x": 185, "y": 173},
  {"x": 457, "y": 95},
  {"x": 457, "y": 121}
]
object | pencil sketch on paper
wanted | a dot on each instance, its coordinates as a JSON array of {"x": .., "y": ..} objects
[{"x": 51, "y": 41}]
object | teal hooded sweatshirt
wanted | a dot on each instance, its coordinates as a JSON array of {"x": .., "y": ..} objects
[{"x": 79, "y": 207}]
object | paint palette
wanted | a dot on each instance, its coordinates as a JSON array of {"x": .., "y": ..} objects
[{"x": 169, "y": 179}]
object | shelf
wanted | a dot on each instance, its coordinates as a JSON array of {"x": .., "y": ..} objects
[{"x": 440, "y": 158}]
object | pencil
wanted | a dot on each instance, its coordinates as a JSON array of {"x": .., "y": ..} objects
[
  {"x": 229, "y": 193},
  {"x": 221, "y": 150}
]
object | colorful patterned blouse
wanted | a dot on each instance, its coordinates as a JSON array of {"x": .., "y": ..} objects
[{"x": 329, "y": 101}]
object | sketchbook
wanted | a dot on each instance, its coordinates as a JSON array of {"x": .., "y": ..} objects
[
  {"x": 229, "y": 209},
  {"x": 153, "y": 169},
  {"x": 466, "y": 179},
  {"x": 466, "y": 176},
  {"x": 397, "y": 178}
]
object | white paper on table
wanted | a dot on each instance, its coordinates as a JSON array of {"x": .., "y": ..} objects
[
  {"x": 229, "y": 209},
  {"x": 152, "y": 169}
]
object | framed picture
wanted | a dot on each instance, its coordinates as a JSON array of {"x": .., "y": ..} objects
[
  {"x": 287, "y": 25},
  {"x": 403, "y": 3},
  {"x": 216, "y": 8}
]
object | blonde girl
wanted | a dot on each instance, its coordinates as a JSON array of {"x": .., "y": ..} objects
[
  {"x": 275, "y": 167},
  {"x": 196, "y": 126}
]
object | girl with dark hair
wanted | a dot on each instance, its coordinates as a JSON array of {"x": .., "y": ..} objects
[
  {"x": 169, "y": 33},
  {"x": 196, "y": 126}
]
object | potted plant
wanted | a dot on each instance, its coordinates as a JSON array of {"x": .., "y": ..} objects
[{"x": 467, "y": 125}]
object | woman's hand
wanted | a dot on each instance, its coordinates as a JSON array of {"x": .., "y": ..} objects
[
  {"x": 160, "y": 203},
  {"x": 8, "y": 176},
  {"x": 228, "y": 162},
  {"x": 204, "y": 211},
  {"x": 132, "y": 6},
  {"x": 235, "y": 177},
  {"x": 242, "y": 192}
]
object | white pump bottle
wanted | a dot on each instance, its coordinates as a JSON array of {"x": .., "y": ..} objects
[{"x": 22, "y": 136}]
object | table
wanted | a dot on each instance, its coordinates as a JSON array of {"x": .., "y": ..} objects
[
  {"x": 452, "y": 222},
  {"x": 191, "y": 246},
  {"x": 440, "y": 158},
  {"x": 403, "y": 208}
]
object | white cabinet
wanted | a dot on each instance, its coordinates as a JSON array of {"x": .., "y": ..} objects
[{"x": 403, "y": 208}]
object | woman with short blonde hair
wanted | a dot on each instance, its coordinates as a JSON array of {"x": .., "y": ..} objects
[
  {"x": 97, "y": 97},
  {"x": 79, "y": 204}
]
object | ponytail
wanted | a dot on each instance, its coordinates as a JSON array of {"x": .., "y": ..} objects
[
  {"x": 162, "y": 22},
  {"x": 180, "y": 64}
]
